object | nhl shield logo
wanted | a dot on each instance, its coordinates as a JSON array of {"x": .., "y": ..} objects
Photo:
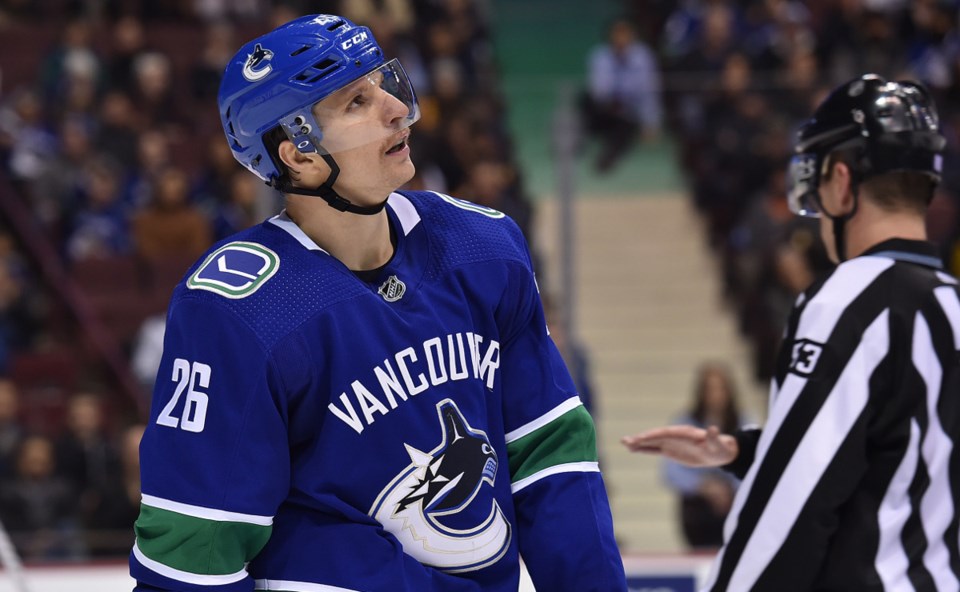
[{"x": 392, "y": 289}]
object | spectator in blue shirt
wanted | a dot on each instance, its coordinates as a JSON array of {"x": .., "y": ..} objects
[{"x": 623, "y": 99}]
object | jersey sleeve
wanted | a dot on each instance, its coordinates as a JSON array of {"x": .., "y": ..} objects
[
  {"x": 565, "y": 529},
  {"x": 747, "y": 439},
  {"x": 214, "y": 457}
]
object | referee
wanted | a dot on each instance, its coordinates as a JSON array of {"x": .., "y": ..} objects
[{"x": 853, "y": 485}]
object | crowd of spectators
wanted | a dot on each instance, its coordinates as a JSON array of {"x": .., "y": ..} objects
[
  {"x": 739, "y": 77},
  {"x": 113, "y": 146},
  {"x": 70, "y": 493}
]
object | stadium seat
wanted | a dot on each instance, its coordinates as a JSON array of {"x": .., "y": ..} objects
[
  {"x": 45, "y": 380},
  {"x": 118, "y": 274}
]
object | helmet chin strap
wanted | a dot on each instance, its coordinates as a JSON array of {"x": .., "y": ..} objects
[
  {"x": 329, "y": 195},
  {"x": 840, "y": 222}
]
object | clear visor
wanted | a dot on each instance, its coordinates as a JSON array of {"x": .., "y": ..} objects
[
  {"x": 803, "y": 181},
  {"x": 372, "y": 108}
]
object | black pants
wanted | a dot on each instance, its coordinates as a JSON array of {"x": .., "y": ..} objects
[
  {"x": 702, "y": 527},
  {"x": 608, "y": 122}
]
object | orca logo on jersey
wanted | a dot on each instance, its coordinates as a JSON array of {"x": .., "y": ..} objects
[
  {"x": 235, "y": 270},
  {"x": 443, "y": 482}
]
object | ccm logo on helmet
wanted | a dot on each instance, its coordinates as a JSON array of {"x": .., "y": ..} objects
[{"x": 361, "y": 36}]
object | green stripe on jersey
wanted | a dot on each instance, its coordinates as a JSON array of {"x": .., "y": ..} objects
[
  {"x": 569, "y": 438},
  {"x": 197, "y": 545}
]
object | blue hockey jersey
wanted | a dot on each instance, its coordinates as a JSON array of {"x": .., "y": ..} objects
[{"x": 311, "y": 431}]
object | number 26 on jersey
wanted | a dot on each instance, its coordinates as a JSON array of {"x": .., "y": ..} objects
[{"x": 190, "y": 377}]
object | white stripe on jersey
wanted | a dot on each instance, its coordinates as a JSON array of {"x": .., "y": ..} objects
[
  {"x": 568, "y": 405},
  {"x": 291, "y": 586},
  {"x": 947, "y": 297},
  {"x": 576, "y": 467},
  {"x": 283, "y": 221},
  {"x": 946, "y": 278},
  {"x": 405, "y": 211},
  {"x": 936, "y": 506},
  {"x": 895, "y": 509},
  {"x": 951, "y": 307},
  {"x": 792, "y": 385},
  {"x": 205, "y": 513},
  {"x": 819, "y": 445},
  {"x": 185, "y": 576},
  {"x": 820, "y": 316}
]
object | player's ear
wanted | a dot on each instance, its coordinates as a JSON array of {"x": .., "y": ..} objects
[
  {"x": 301, "y": 164},
  {"x": 840, "y": 179},
  {"x": 844, "y": 179},
  {"x": 293, "y": 158}
]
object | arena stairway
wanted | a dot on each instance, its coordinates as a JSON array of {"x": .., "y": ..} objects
[
  {"x": 649, "y": 312},
  {"x": 648, "y": 305}
]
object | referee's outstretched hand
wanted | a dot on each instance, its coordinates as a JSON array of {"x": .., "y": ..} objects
[{"x": 689, "y": 445}]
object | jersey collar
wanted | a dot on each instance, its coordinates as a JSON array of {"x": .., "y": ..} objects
[
  {"x": 404, "y": 211},
  {"x": 283, "y": 221},
  {"x": 910, "y": 251}
]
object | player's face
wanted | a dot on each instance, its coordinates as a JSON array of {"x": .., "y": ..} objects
[{"x": 367, "y": 113}]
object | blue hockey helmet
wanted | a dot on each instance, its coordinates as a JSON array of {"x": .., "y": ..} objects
[
  {"x": 890, "y": 126},
  {"x": 278, "y": 78}
]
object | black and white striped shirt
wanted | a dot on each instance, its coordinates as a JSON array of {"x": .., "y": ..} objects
[{"x": 854, "y": 483}]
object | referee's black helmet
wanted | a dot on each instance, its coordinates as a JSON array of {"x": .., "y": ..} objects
[{"x": 887, "y": 126}]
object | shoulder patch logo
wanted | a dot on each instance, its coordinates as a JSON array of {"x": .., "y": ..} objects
[
  {"x": 235, "y": 270},
  {"x": 258, "y": 64}
]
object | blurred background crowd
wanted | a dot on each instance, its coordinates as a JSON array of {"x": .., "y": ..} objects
[
  {"x": 115, "y": 177},
  {"x": 739, "y": 77}
]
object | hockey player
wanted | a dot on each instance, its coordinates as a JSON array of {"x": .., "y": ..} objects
[
  {"x": 360, "y": 393},
  {"x": 855, "y": 480}
]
